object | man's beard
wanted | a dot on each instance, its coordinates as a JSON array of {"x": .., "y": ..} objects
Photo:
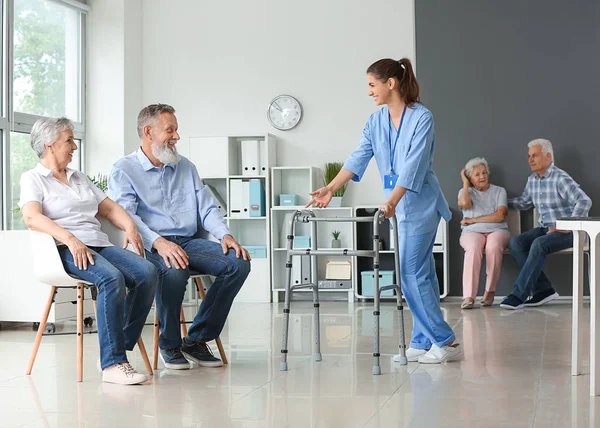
[{"x": 164, "y": 154}]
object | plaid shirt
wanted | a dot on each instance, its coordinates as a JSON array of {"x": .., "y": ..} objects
[{"x": 554, "y": 195}]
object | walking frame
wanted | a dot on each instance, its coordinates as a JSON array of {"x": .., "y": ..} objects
[{"x": 308, "y": 216}]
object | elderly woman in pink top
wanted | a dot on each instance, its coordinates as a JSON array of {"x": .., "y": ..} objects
[{"x": 484, "y": 228}]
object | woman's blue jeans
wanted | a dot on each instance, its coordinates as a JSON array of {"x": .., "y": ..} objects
[{"x": 126, "y": 284}]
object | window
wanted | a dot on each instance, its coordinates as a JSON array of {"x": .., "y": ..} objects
[
  {"x": 46, "y": 73},
  {"x": 45, "y": 79},
  {"x": 23, "y": 158}
]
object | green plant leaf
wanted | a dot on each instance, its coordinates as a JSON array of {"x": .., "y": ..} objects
[
  {"x": 331, "y": 170},
  {"x": 101, "y": 181}
]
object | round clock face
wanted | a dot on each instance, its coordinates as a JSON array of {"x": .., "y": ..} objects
[{"x": 284, "y": 112}]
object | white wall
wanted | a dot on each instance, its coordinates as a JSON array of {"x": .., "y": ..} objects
[
  {"x": 114, "y": 82},
  {"x": 133, "y": 72},
  {"x": 220, "y": 63},
  {"x": 105, "y": 84}
]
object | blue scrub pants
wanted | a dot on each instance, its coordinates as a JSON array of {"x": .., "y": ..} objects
[{"x": 422, "y": 291}]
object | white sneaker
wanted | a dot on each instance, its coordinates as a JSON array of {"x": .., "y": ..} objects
[
  {"x": 412, "y": 355},
  {"x": 122, "y": 374},
  {"x": 437, "y": 355}
]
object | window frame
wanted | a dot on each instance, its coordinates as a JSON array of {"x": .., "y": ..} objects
[{"x": 12, "y": 121}]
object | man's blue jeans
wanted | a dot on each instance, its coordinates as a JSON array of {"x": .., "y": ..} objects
[
  {"x": 529, "y": 250},
  {"x": 205, "y": 257},
  {"x": 120, "y": 318}
]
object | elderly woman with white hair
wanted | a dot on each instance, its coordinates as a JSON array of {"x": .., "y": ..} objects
[
  {"x": 484, "y": 227},
  {"x": 63, "y": 203}
]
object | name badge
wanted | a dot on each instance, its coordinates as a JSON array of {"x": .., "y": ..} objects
[{"x": 389, "y": 181}]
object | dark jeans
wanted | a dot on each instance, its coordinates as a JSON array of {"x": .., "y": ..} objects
[
  {"x": 529, "y": 250},
  {"x": 120, "y": 318},
  {"x": 205, "y": 257}
]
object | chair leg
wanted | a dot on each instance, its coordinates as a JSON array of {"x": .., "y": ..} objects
[
  {"x": 183, "y": 325},
  {"x": 221, "y": 350},
  {"x": 41, "y": 329},
  {"x": 140, "y": 343},
  {"x": 95, "y": 302},
  {"x": 155, "y": 344},
  {"x": 80, "y": 297},
  {"x": 200, "y": 288}
]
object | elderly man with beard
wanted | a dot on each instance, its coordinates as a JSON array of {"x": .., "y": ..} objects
[{"x": 164, "y": 195}]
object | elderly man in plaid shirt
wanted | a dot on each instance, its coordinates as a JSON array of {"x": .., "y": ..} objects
[{"x": 554, "y": 194}]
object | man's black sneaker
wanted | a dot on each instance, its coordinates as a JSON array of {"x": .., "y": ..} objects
[{"x": 199, "y": 353}]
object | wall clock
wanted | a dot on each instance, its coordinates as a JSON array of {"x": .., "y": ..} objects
[{"x": 284, "y": 112}]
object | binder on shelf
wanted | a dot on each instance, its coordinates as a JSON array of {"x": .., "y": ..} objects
[
  {"x": 296, "y": 270},
  {"x": 300, "y": 270},
  {"x": 263, "y": 157},
  {"x": 218, "y": 200},
  {"x": 245, "y": 198},
  {"x": 236, "y": 199},
  {"x": 250, "y": 157},
  {"x": 257, "y": 198},
  {"x": 306, "y": 269}
]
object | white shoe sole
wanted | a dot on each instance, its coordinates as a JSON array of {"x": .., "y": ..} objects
[
  {"x": 543, "y": 302},
  {"x": 140, "y": 378},
  {"x": 521, "y": 306},
  {"x": 454, "y": 356},
  {"x": 170, "y": 366},
  {"x": 410, "y": 359},
  {"x": 439, "y": 361},
  {"x": 202, "y": 363}
]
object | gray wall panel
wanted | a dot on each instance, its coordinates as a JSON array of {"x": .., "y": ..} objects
[{"x": 499, "y": 74}]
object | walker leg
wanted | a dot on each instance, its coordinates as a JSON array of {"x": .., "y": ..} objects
[
  {"x": 283, "y": 365},
  {"x": 402, "y": 343},
  {"x": 317, "y": 354},
  {"x": 313, "y": 278},
  {"x": 376, "y": 297},
  {"x": 376, "y": 366}
]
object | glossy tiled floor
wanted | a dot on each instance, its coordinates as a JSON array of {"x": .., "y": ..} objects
[{"x": 515, "y": 373}]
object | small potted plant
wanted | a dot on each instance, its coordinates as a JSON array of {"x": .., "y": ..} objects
[
  {"x": 336, "y": 243},
  {"x": 101, "y": 181},
  {"x": 331, "y": 170}
]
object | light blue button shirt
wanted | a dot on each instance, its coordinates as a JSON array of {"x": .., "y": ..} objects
[
  {"x": 419, "y": 209},
  {"x": 169, "y": 201}
]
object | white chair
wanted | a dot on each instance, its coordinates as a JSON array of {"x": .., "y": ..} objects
[{"x": 48, "y": 269}]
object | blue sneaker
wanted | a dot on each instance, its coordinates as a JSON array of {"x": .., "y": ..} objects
[
  {"x": 541, "y": 298},
  {"x": 512, "y": 302},
  {"x": 173, "y": 359}
]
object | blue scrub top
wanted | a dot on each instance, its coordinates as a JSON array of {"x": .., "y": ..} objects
[{"x": 422, "y": 205}]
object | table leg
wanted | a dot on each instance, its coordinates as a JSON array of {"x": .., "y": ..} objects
[
  {"x": 594, "y": 318},
  {"x": 578, "y": 237}
]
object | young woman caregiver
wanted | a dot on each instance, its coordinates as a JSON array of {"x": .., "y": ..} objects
[{"x": 400, "y": 136}]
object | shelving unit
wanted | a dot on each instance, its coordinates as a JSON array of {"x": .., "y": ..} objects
[
  {"x": 363, "y": 237},
  {"x": 301, "y": 181},
  {"x": 219, "y": 162}
]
